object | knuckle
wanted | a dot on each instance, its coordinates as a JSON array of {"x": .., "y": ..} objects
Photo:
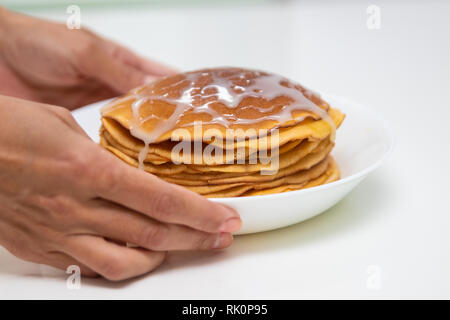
[
  {"x": 57, "y": 205},
  {"x": 154, "y": 237},
  {"x": 64, "y": 113},
  {"x": 116, "y": 51},
  {"x": 106, "y": 175},
  {"x": 204, "y": 241},
  {"x": 79, "y": 166},
  {"x": 60, "y": 215},
  {"x": 93, "y": 173},
  {"x": 86, "y": 48},
  {"x": 165, "y": 206}
]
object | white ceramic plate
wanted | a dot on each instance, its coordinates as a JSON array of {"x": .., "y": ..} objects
[{"x": 362, "y": 143}]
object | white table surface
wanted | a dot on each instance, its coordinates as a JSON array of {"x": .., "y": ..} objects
[{"x": 390, "y": 238}]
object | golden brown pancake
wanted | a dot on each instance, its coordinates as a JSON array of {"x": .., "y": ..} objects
[
  {"x": 119, "y": 138},
  {"x": 331, "y": 174},
  {"x": 225, "y": 132},
  {"x": 244, "y": 100}
]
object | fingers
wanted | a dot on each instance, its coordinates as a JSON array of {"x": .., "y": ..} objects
[
  {"x": 67, "y": 117},
  {"x": 120, "y": 68},
  {"x": 165, "y": 202},
  {"x": 62, "y": 261},
  {"x": 112, "y": 71},
  {"x": 110, "y": 260},
  {"x": 151, "y": 68},
  {"x": 119, "y": 223},
  {"x": 28, "y": 248}
]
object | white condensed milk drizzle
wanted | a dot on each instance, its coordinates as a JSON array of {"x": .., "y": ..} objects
[{"x": 199, "y": 90}]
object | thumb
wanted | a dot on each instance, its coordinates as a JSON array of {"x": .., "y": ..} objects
[{"x": 115, "y": 73}]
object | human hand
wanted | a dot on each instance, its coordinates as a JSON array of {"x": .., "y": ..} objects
[
  {"x": 46, "y": 62},
  {"x": 67, "y": 201}
]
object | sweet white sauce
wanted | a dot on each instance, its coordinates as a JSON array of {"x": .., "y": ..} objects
[{"x": 219, "y": 89}]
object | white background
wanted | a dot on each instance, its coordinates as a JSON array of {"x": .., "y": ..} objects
[{"x": 397, "y": 221}]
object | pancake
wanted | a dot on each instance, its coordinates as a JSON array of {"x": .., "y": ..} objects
[
  {"x": 225, "y": 132},
  {"x": 301, "y": 178},
  {"x": 331, "y": 174},
  {"x": 117, "y": 137},
  {"x": 181, "y": 100},
  {"x": 313, "y": 130},
  {"x": 284, "y": 160},
  {"x": 303, "y": 164},
  {"x": 167, "y": 168}
]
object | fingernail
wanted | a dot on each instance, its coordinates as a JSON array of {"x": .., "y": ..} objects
[
  {"x": 231, "y": 225},
  {"x": 222, "y": 241}
]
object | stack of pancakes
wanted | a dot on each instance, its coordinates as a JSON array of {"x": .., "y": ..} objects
[{"x": 225, "y": 132}]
